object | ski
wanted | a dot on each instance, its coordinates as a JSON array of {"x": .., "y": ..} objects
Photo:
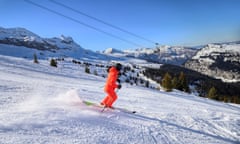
[
  {"x": 125, "y": 110},
  {"x": 88, "y": 103}
]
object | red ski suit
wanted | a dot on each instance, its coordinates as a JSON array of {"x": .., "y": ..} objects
[{"x": 110, "y": 87}]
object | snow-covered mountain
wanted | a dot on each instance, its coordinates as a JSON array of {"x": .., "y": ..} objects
[
  {"x": 23, "y": 37},
  {"x": 23, "y": 43},
  {"x": 63, "y": 46},
  {"x": 221, "y": 61},
  {"x": 176, "y": 55},
  {"x": 112, "y": 51}
]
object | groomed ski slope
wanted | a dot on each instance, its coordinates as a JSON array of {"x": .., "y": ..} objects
[{"x": 42, "y": 104}]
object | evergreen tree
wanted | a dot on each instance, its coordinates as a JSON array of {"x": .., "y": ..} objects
[
  {"x": 182, "y": 83},
  {"x": 236, "y": 99},
  {"x": 167, "y": 82},
  {"x": 212, "y": 93},
  {"x": 53, "y": 63},
  {"x": 147, "y": 84},
  {"x": 174, "y": 82},
  {"x": 225, "y": 99},
  {"x": 87, "y": 70},
  {"x": 35, "y": 59}
]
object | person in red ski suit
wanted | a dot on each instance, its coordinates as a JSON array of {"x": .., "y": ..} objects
[{"x": 111, "y": 85}]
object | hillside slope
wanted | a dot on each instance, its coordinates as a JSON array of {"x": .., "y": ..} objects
[
  {"x": 221, "y": 61},
  {"x": 42, "y": 104}
]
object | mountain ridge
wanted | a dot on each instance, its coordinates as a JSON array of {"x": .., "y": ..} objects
[
  {"x": 21, "y": 39},
  {"x": 221, "y": 61}
]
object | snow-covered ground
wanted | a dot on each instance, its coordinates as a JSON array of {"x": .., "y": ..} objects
[{"x": 42, "y": 104}]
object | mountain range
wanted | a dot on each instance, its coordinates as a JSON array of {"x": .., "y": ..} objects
[
  {"x": 176, "y": 55},
  {"x": 221, "y": 61},
  {"x": 42, "y": 103}
]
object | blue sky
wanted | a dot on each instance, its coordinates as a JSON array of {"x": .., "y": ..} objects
[{"x": 167, "y": 22}]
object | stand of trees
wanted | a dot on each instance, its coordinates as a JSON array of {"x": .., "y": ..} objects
[
  {"x": 180, "y": 77},
  {"x": 179, "y": 82}
]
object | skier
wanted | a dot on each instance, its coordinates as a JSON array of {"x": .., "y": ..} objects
[{"x": 111, "y": 85}]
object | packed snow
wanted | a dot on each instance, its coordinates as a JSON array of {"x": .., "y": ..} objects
[{"x": 43, "y": 104}]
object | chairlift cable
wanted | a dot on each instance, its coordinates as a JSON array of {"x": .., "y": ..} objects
[{"x": 82, "y": 23}]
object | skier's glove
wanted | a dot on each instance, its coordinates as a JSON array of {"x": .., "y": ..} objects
[
  {"x": 108, "y": 69},
  {"x": 119, "y": 74},
  {"x": 119, "y": 86}
]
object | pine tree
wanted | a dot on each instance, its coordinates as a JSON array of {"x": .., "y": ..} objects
[
  {"x": 182, "y": 83},
  {"x": 225, "y": 99},
  {"x": 212, "y": 93},
  {"x": 167, "y": 82},
  {"x": 236, "y": 99},
  {"x": 35, "y": 58},
  {"x": 87, "y": 70},
  {"x": 147, "y": 84},
  {"x": 174, "y": 82},
  {"x": 53, "y": 63}
]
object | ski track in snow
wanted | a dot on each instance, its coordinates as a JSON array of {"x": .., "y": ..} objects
[{"x": 42, "y": 104}]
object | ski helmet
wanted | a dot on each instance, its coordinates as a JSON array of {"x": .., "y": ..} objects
[{"x": 118, "y": 66}]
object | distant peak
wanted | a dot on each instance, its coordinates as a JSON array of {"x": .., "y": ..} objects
[
  {"x": 111, "y": 51},
  {"x": 18, "y": 32},
  {"x": 66, "y": 39}
]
